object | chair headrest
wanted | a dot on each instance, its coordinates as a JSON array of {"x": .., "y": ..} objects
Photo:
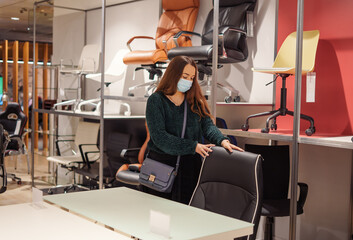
[
  {"x": 231, "y": 3},
  {"x": 170, "y": 5},
  {"x": 12, "y": 107}
]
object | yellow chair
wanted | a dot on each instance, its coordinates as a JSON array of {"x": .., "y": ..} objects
[{"x": 283, "y": 67}]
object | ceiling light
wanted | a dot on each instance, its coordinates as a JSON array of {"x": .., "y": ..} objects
[{"x": 15, "y": 18}]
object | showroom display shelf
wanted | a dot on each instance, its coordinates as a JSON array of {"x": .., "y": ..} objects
[
  {"x": 87, "y": 114},
  {"x": 319, "y": 139}
]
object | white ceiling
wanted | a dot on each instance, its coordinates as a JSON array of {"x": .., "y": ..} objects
[
  {"x": 23, "y": 9},
  {"x": 86, "y": 4},
  {"x": 18, "y": 30}
]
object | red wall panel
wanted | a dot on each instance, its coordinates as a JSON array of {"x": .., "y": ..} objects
[{"x": 333, "y": 107}]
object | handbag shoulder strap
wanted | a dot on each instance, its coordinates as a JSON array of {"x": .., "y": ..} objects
[{"x": 183, "y": 131}]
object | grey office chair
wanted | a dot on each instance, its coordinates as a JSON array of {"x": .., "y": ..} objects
[{"x": 231, "y": 184}]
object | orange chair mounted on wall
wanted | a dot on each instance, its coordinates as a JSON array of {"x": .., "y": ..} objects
[{"x": 177, "y": 16}]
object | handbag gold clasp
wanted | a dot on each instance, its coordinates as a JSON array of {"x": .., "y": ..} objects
[{"x": 152, "y": 178}]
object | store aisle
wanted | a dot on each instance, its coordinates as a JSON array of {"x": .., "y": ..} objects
[{"x": 22, "y": 193}]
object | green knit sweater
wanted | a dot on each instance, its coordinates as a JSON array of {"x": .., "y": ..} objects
[{"x": 165, "y": 123}]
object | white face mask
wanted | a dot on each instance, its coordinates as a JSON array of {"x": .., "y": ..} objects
[{"x": 184, "y": 85}]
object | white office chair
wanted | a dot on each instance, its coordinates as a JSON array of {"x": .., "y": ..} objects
[
  {"x": 85, "y": 143},
  {"x": 116, "y": 74},
  {"x": 88, "y": 64}
]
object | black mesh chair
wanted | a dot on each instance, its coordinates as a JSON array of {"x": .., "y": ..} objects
[
  {"x": 232, "y": 41},
  {"x": 116, "y": 142},
  {"x": 14, "y": 120},
  {"x": 276, "y": 183},
  {"x": 231, "y": 184},
  {"x": 4, "y": 140}
]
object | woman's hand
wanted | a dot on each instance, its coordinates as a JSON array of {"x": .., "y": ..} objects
[
  {"x": 227, "y": 145},
  {"x": 203, "y": 149}
]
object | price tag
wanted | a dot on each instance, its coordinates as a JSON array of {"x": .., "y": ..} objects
[
  {"x": 310, "y": 86},
  {"x": 37, "y": 195},
  {"x": 160, "y": 223}
]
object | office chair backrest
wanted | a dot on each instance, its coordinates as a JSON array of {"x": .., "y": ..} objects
[
  {"x": 231, "y": 184},
  {"x": 117, "y": 141},
  {"x": 232, "y": 13},
  {"x": 86, "y": 133},
  {"x": 177, "y": 16},
  {"x": 286, "y": 54},
  {"x": 90, "y": 58},
  {"x": 275, "y": 169},
  {"x": 117, "y": 68},
  {"x": 13, "y": 119}
]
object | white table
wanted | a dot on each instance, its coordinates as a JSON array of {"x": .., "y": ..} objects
[
  {"x": 128, "y": 211},
  {"x": 42, "y": 221}
]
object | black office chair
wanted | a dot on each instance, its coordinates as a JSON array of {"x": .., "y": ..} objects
[
  {"x": 115, "y": 143},
  {"x": 232, "y": 41},
  {"x": 231, "y": 184},
  {"x": 14, "y": 120},
  {"x": 221, "y": 123},
  {"x": 129, "y": 173},
  {"x": 276, "y": 183},
  {"x": 4, "y": 140}
]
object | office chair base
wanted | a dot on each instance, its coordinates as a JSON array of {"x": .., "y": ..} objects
[
  {"x": 14, "y": 178},
  {"x": 269, "y": 228},
  {"x": 273, "y": 116},
  {"x": 3, "y": 189}
]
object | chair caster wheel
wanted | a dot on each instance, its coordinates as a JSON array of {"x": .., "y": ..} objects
[
  {"x": 310, "y": 131},
  {"x": 245, "y": 127},
  {"x": 19, "y": 182},
  {"x": 265, "y": 130},
  {"x": 206, "y": 97},
  {"x": 130, "y": 94},
  {"x": 236, "y": 99},
  {"x": 228, "y": 99},
  {"x": 273, "y": 126}
]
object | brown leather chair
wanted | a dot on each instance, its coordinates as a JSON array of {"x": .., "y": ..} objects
[{"x": 177, "y": 16}]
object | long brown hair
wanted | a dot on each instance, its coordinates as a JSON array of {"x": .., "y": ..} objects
[{"x": 169, "y": 83}]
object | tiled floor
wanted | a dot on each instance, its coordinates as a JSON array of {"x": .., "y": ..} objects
[{"x": 22, "y": 193}]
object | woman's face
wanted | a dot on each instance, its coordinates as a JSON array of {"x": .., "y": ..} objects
[{"x": 189, "y": 73}]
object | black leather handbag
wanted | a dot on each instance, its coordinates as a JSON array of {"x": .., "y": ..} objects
[{"x": 159, "y": 176}]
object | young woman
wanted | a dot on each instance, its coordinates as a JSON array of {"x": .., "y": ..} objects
[{"x": 165, "y": 115}]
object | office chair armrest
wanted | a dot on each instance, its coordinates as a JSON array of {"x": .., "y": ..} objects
[
  {"x": 176, "y": 36},
  {"x": 133, "y": 38},
  {"x": 88, "y": 161},
  {"x": 129, "y": 152},
  {"x": 233, "y": 29},
  {"x": 221, "y": 34},
  {"x": 303, "y": 193},
  {"x": 25, "y": 132},
  {"x": 135, "y": 167},
  {"x": 83, "y": 154}
]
